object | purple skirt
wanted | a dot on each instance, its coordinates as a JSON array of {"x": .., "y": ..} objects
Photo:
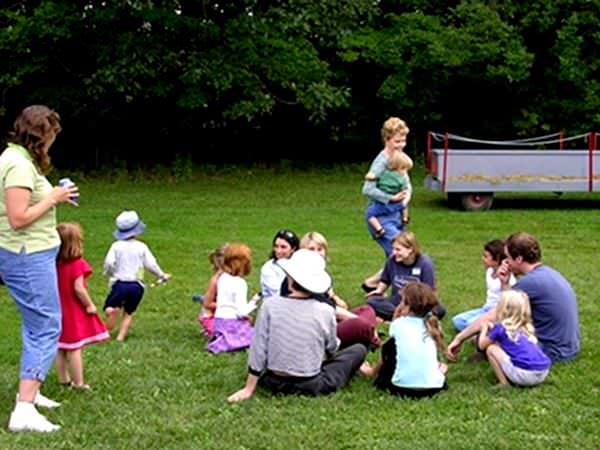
[{"x": 230, "y": 335}]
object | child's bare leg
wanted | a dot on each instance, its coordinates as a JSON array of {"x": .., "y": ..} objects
[
  {"x": 125, "y": 323},
  {"x": 374, "y": 222},
  {"x": 495, "y": 356},
  {"x": 61, "y": 367},
  {"x": 111, "y": 317},
  {"x": 405, "y": 218},
  {"x": 76, "y": 364}
]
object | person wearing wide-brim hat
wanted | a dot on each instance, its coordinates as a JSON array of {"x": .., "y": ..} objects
[
  {"x": 293, "y": 333},
  {"x": 124, "y": 264}
]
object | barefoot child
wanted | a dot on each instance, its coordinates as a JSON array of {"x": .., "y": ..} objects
[
  {"x": 81, "y": 324},
  {"x": 392, "y": 181},
  {"x": 206, "y": 317},
  {"x": 232, "y": 329},
  {"x": 511, "y": 344},
  {"x": 124, "y": 264},
  {"x": 493, "y": 255},
  {"x": 409, "y": 366}
]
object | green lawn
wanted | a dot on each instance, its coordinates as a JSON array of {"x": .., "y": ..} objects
[{"x": 160, "y": 389}]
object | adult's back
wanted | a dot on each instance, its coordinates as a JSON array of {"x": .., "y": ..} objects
[{"x": 554, "y": 311}]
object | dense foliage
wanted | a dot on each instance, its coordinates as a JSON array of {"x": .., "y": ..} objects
[{"x": 294, "y": 79}]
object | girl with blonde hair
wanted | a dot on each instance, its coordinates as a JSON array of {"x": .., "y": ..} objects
[{"x": 511, "y": 345}]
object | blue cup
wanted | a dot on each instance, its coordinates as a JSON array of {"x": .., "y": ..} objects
[{"x": 66, "y": 183}]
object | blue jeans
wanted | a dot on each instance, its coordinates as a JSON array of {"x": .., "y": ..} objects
[
  {"x": 32, "y": 282},
  {"x": 391, "y": 223},
  {"x": 464, "y": 319}
]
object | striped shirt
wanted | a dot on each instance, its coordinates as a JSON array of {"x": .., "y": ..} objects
[{"x": 292, "y": 336}]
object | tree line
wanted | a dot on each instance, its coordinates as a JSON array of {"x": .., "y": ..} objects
[{"x": 144, "y": 81}]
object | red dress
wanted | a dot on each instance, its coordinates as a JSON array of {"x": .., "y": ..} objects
[{"x": 78, "y": 327}]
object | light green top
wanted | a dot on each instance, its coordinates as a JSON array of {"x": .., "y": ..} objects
[{"x": 17, "y": 169}]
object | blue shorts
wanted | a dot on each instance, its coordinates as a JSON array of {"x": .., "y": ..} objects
[{"x": 125, "y": 294}]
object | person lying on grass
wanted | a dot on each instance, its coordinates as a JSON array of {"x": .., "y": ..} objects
[{"x": 294, "y": 325}]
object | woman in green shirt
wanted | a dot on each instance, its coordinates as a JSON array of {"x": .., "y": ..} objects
[{"x": 28, "y": 246}]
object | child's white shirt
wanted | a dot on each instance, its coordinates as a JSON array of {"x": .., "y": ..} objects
[
  {"x": 126, "y": 261},
  {"x": 232, "y": 294},
  {"x": 494, "y": 288}
]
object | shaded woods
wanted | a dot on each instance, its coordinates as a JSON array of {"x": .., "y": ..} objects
[{"x": 248, "y": 80}]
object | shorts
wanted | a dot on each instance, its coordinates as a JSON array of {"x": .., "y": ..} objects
[
  {"x": 523, "y": 377},
  {"x": 125, "y": 294}
]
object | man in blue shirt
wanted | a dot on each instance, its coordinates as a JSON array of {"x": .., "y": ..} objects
[{"x": 553, "y": 304}]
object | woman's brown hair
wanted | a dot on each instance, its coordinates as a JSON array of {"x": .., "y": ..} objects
[
  {"x": 33, "y": 129},
  {"x": 71, "y": 241}
]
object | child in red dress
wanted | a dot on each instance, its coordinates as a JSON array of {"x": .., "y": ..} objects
[{"x": 81, "y": 324}]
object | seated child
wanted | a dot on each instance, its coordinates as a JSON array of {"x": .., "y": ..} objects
[
  {"x": 124, "y": 265},
  {"x": 409, "y": 365},
  {"x": 393, "y": 180},
  {"x": 206, "y": 316},
  {"x": 493, "y": 255},
  {"x": 511, "y": 345},
  {"x": 232, "y": 329}
]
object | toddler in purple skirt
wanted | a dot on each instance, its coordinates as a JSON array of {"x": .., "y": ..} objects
[{"x": 232, "y": 327}]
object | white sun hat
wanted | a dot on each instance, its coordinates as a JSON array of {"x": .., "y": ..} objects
[
  {"x": 128, "y": 225},
  {"x": 307, "y": 268}
]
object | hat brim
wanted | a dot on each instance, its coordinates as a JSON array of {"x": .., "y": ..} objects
[
  {"x": 126, "y": 234},
  {"x": 315, "y": 282}
]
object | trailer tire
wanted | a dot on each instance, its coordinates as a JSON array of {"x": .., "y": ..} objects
[{"x": 477, "y": 201}]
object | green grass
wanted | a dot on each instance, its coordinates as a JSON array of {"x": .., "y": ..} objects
[{"x": 160, "y": 389}]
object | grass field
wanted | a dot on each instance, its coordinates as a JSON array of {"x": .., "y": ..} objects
[{"x": 160, "y": 389}]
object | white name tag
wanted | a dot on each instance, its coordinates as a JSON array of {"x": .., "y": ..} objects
[{"x": 416, "y": 271}]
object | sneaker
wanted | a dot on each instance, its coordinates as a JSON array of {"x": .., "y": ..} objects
[
  {"x": 197, "y": 298},
  {"x": 44, "y": 402},
  {"x": 26, "y": 418}
]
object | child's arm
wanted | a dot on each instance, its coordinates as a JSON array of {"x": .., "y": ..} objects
[
  {"x": 484, "y": 338},
  {"x": 150, "y": 263},
  {"x": 83, "y": 296},
  {"x": 210, "y": 296},
  {"x": 109, "y": 261}
]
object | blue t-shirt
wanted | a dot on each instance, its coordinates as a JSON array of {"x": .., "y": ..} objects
[
  {"x": 554, "y": 312},
  {"x": 523, "y": 353},
  {"x": 399, "y": 275},
  {"x": 416, "y": 355}
]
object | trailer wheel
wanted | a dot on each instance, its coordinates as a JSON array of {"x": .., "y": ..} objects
[{"x": 479, "y": 201}]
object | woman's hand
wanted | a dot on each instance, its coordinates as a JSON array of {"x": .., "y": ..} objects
[
  {"x": 398, "y": 197},
  {"x": 61, "y": 194}
]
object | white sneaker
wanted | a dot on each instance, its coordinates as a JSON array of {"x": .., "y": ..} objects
[
  {"x": 26, "y": 418},
  {"x": 43, "y": 401}
]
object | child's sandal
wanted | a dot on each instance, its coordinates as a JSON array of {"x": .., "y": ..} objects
[
  {"x": 379, "y": 233},
  {"x": 80, "y": 387}
]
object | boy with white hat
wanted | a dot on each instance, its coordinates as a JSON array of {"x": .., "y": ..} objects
[
  {"x": 124, "y": 264},
  {"x": 292, "y": 335}
]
